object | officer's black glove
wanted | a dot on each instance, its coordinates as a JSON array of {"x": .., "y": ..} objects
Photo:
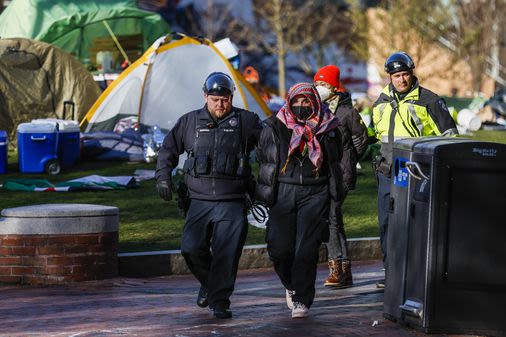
[
  {"x": 164, "y": 189},
  {"x": 183, "y": 198}
]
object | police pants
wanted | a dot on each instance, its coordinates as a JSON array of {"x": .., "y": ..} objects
[
  {"x": 337, "y": 247},
  {"x": 383, "y": 210},
  {"x": 298, "y": 224},
  {"x": 212, "y": 242}
]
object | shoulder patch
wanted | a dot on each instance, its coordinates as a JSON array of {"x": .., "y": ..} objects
[
  {"x": 442, "y": 105},
  {"x": 233, "y": 121}
]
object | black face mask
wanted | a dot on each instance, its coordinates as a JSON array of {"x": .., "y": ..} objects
[{"x": 302, "y": 112}]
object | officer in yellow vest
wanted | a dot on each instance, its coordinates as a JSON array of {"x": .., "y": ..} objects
[{"x": 403, "y": 109}]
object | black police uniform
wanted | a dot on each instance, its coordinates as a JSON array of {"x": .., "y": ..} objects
[{"x": 217, "y": 173}]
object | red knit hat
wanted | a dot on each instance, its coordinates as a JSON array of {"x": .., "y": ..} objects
[{"x": 329, "y": 74}]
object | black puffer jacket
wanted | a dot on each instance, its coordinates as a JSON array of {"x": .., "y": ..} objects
[
  {"x": 354, "y": 133},
  {"x": 272, "y": 154}
]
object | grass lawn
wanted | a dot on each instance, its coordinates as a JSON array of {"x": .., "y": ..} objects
[{"x": 149, "y": 223}]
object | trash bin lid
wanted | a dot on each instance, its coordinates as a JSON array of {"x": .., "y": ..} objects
[
  {"x": 3, "y": 136},
  {"x": 36, "y": 128}
]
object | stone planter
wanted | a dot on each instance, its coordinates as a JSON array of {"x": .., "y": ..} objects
[{"x": 58, "y": 243}]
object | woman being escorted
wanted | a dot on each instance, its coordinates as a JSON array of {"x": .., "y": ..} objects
[{"x": 299, "y": 152}]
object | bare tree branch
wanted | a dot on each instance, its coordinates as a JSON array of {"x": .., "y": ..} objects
[{"x": 464, "y": 27}]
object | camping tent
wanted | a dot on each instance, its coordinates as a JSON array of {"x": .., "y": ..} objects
[
  {"x": 165, "y": 83},
  {"x": 74, "y": 26},
  {"x": 35, "y": 80}
]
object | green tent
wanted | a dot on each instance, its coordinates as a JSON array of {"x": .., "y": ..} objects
[{"x": 75, "y": 26}]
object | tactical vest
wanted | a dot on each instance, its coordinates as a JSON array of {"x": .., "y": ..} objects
[{"x": 218, "y": 151}]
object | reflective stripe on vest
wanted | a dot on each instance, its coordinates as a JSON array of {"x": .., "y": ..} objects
[
  {"x": 414, "y": 116},
  {"x": 382, "y": 109}
]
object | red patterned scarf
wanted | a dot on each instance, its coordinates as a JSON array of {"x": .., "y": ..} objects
[{"x": 304, "y": 132}]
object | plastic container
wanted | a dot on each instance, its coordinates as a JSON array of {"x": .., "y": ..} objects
[
  {"x": 68, "y": 140},
  {"x": 468, "y": 119},
  {"x": 3, "y": 151},
  {"x": 104, "y": 61},
  {"x": 38, "y": 148},
  {"x": 69, "y": 146}
]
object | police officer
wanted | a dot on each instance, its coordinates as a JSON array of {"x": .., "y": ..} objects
[
  {"x": 218, "y": 139},
  {"x": 403, "y": 109}
]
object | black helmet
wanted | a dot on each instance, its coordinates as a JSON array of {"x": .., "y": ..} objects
[
  {"x": 218, "y": 84},
  {"x": 399, "y": 61}
]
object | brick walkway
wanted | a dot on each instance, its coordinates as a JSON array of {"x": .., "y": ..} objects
[{"x": 165, "y": 306}]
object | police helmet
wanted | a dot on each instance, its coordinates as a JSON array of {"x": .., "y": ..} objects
[
  {"x": 218, "y": 83},
  {"x": 399, "y": 61}
]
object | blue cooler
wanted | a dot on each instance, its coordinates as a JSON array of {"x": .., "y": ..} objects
[
  {"x": 69, "y": 147},
  {"x": 3, "y": 151},
  {"x": 37, "y": 147}
]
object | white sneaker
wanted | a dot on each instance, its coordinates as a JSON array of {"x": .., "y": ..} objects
[
  {"x": 289, "y": 301},
  {"x": 299, "y": 310}
]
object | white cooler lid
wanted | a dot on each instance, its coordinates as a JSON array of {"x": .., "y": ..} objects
[
  {"x": 37, "y": 128},
  {"x": 64, "y": 125}
]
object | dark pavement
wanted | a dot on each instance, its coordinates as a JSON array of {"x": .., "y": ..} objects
[{"x": 165, "y": 306}]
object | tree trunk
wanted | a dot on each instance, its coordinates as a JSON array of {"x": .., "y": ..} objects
[
  {"x": 281, "y": 70},
  {"x": 495, "y": 61},
  {"x": 280, "y": 46}
]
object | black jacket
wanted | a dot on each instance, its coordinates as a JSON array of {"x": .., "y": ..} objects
[
  {"x": 182, "y": 139},
  {"x": 354, "y": 133},
  {"x": 272, "y": 153}
]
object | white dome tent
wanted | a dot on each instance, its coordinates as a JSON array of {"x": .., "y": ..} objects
[{"x": 165, "y": 83}]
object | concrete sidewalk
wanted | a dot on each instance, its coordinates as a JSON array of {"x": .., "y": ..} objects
[{"x": 165, "y": 306}]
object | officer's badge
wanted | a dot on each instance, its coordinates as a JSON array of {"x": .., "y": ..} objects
[{"x": 233, "y": 121}]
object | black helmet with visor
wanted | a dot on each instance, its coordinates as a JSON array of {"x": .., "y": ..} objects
[
  {"x": 219, "y": 84},
  {"x": 399, "y": 61}
]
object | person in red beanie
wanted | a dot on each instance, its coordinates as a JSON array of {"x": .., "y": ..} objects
[{"x": 354, "y": 138}]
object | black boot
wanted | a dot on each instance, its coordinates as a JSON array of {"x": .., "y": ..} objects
[{"x": 202, "y": 298}]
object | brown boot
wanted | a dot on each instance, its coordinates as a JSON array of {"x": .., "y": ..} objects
[
  {"x": 334, "y": 275},
  {"x": 346, "y": 279}
]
